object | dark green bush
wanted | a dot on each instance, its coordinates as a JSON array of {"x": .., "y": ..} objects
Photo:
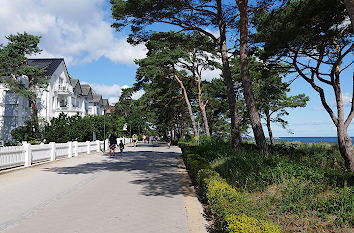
[
  {"x": 246, "y": 224},
  {"x": 222, "y": 199},
  {"x": 304, "y": 187}
]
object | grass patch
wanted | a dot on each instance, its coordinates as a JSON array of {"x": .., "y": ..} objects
[{"x": 302, "y": 187}]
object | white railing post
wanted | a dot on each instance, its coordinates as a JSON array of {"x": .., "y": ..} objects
[
  {"x": 106, "y": 142},
  {"x": 88, "y": 147},
  {"x": 28, "y": 153},
  {"x": 52, "y": 151},
  {"x": 70, "y": 145},
  {"x": 98, "y": 145},
  {"x": 76, "y": 148}
]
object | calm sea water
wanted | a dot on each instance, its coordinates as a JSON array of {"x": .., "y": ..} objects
[{"x": 329, "y": 140}]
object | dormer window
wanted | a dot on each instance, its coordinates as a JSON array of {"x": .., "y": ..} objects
[{"x": 61, "y": 81}]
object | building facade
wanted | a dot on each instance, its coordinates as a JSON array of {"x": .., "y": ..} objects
[{"x": 63, "y": 95}]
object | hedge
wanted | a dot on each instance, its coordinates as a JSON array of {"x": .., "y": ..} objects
[{"x": 228, "y": 207}]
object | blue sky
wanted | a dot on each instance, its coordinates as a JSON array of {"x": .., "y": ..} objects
[{"x": 80, "y": 32}]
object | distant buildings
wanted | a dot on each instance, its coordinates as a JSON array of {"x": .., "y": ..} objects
[{"x": 63, "y": 94}]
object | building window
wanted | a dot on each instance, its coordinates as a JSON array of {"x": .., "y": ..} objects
[{"x": 62, "y": 103}]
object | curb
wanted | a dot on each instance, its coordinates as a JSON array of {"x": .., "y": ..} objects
[{"x": 194, "y": 211}]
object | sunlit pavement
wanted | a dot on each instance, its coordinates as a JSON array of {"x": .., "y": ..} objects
[{"x": 140, "y": 192}]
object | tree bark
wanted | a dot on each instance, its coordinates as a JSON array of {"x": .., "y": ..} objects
[
  {"x": 202, "y": 105},
  {"x": 349, "y": 4},
  {"x": 246, "y": 80},
  {"x": 205, "y": 120},
  {"x": 344, "y": 141},
  {"x": 345, "y": 147},
  {"x": 269, "y": 128},
  {"x": 235, "y": 121},
  {"x": 190, "y": 111},
  {"x": 33, "y": 105}
]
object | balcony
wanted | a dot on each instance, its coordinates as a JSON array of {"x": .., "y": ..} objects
[
  {"x": 69, "y": 110},
  {"x": 63, "y": 90}
]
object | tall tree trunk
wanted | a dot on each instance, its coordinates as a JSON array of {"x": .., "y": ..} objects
[
  {"x": 349, "y": 4},
  {"x": 202, "y": 105},
  {"x": 269, "y": 128},
  {"x": 205, "y": 120},
  {"x": 231, "y": 97},
  {"x": 246, "y": 79},
  {"x": 344, "y": 141},
  {"x": 195, "y": 132},
  {"x": 345, "y": 147},
  {"x": 33, "y": 103}
]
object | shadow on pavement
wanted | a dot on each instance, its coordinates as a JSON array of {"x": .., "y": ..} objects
[{"x": 156, "y": 171}]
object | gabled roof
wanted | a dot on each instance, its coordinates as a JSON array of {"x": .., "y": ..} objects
[
  {"x": 50, "y": 65},
  {"x": 105, "y": 102},
  {"x": 97, "y": 98},
  {"x": 75, "y": 83},
  {"x": 86, "y": 88}
]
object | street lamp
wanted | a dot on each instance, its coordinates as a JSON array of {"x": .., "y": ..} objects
[{"x": 104, "y": 129}]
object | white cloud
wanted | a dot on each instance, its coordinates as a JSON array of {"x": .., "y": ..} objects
[
  {"x": 138, "y": 94},
  {"x": 75, "y": 30},
  {"x": 215, "y": 33},
  {"x": 347, "y": 99},
  {"x": 113, "y": 100},
  {"x": 208, "y": 75},
  {"x": 112, "y": 92}
]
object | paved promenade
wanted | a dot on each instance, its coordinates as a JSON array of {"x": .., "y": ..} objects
[{"x": 141, "y": 192}]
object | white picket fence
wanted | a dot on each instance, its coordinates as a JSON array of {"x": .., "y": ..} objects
[{"x": 27, "y": 154}]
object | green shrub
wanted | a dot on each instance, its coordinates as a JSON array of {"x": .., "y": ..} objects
[
  {"x": 339, "y": 205},
  {"x": 203, "y": 178},
  {"x": 195, "y": 163},
  {"x": 222, "y": 199},
  {"x": 245, "y": 224}
]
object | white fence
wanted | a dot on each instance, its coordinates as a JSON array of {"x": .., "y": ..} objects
[{"x": 27, "y": 154}]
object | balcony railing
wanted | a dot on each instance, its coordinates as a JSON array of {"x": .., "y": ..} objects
[
  {"x": 68, "y": 109},
  {"x": 63, "y": 90}
]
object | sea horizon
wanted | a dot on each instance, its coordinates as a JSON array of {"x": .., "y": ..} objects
[{"x": 329, "y": 140}]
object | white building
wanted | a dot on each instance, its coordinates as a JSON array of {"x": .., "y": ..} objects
[{"x": 63, "y": 94}]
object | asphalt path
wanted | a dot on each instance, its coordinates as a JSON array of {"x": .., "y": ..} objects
[{"x": 140, "y": 192}]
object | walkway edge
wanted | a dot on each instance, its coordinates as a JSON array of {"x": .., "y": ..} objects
[{"x": 194, "y": 211}]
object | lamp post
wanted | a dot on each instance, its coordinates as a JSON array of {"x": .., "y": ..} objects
[{"x": 104, "y": 129}]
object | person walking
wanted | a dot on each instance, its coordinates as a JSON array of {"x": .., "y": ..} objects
[
  {"x": 121, "y": 147},
  {"x": 169, "y": 141},
  {"x": 112, "y": 143},
  {"x": 135, "y": 139}
]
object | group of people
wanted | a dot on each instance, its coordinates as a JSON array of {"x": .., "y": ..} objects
[
  {"x": 151, "y": 139},
  {"x": 113, "y": 142}
]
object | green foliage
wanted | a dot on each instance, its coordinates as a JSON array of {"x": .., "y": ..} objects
[
  {"x": 26, "y": 132},
  {"x": 245, "y": 224},
  {"x": 270, "y": 90},
  {"x": 77, "y": 128},
  {"x": 222, "y": 199},
  {"x": 195, "y": 163},
  {"x": 303, "y": 187},
  {"x": 340, "y": 204},
  {"x": 13, "y": 65}
]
